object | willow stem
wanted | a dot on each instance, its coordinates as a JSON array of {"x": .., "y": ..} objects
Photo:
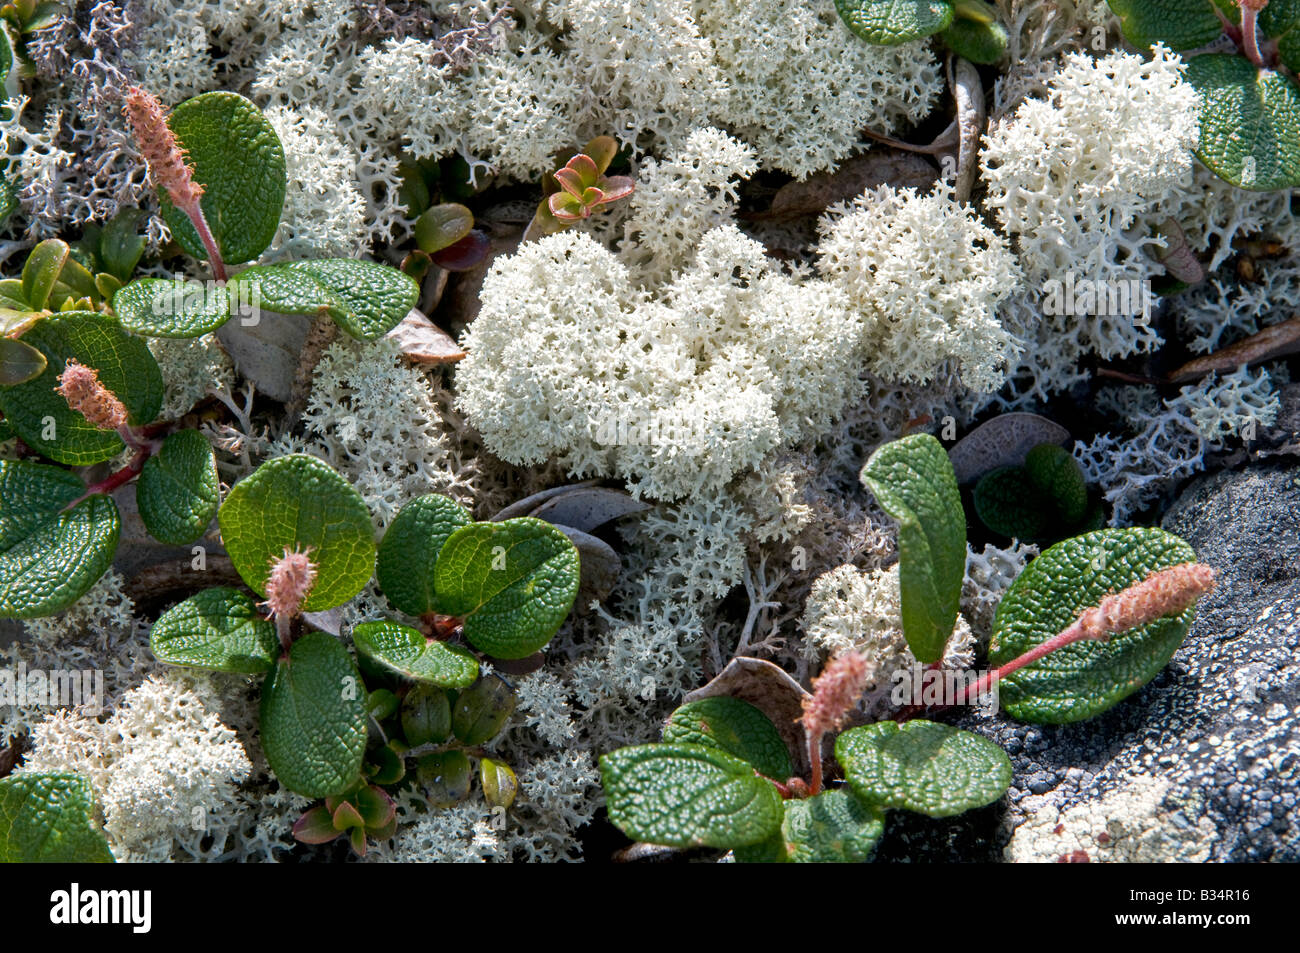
[
  {"x": 195, "y": 213},
  {"x": 815, "y": 763},
  {"x": 116, "y": 479},
  {"x": 284, "y": 630},
  {"x": 1249, "y": 29}
]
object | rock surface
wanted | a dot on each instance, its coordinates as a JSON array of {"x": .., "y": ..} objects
[{"x": 1201, "y": 764}]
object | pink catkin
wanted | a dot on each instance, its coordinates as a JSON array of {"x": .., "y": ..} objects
[
  {"x": 1167, "y": 592},
  {"x": 79, "y": 385},
  {"x": 163, "y": 154},
  {"x": 292, "y": 576},
  {"x": 836, "y": 692}
]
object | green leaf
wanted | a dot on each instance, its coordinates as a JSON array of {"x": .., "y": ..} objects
[
  {"x": 499, "y": 782},
  {"x": 386, "y": 766},
  {"x": 14, "y": 302},
  {"x": 44, "y": 15},
  {"x": 1086, "y": 678},
  {"x": 1009, "y": 503},
  {"x": 426, "y": 716},
  {"x": 914, "y": 483},
  {"x": 481, "y": 711},
  {"x": 6, "y": 55},
  {"x": 409, "y": 551},
  {"x": 126, "y": 367},
  {"x": 238, "y": 159},
  {"x": 121, "y": 246},
  {"x": 19, "y": 362},
  {"x": 407, "y": 651},
  {"x": 977, "y": 42},
  {"x": 50, "y": 819},
  {"x": 685, "y": 795},
  {"x": 890, "y": 22},
  {"x": 442, "y": 226},
  {"x": 365, "y": 299},
  {"x": 446, "y": 777},
  {"x": 299, "y": 503},
  {"x": 374, "y": 297},
  {"x": 42, "y": 270},
  {"x": 832, "y": 828},
  {"x": 49, "y": 558},
  {"x": 513, "y": 583},
  {"x": 1178, "y": 24},
  {"x": 381, "y": 704},
  {"x": 107, "y": 286},
  {"x": 282, "y": 290},
  {"x": 1054, "y": 471},
  {"x": 923, "y": 766},
  {"x": 218, "y": 629},
  {"x": 313, "y": 718},
  {"x": 171, "y": 308},
  {"x": 733, "y": 726},
  {"x": 75, "y": 281},
  {"x": 178, "y": 490},
  {"x": 1250, "y": 122}
]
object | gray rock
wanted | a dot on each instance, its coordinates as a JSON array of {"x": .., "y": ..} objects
[
  {"x": 267, "y": 351},
  {"x": 1201, "y": 764}
]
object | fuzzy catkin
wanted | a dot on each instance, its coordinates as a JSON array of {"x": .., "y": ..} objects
[
  {"x": 80, "y": 386},
  {"x": 836, "y": 692},
  {"x": 160, "y": 148},
  {"x": 1164, "y": 593},
  {"x": 292, "y": 576}
]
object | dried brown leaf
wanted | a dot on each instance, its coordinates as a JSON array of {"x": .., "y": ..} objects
[
  {"x": 1273, "y": 342},
  {"x": 423, "y": 342}
]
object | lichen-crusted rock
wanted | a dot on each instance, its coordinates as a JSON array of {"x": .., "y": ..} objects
[{"x": 1201, "y": 764}]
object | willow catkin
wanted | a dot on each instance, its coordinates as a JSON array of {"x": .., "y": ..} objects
[
  {"x": 291, "y": 578},
  {"x": 162, "y": 153},
  {"x": 80, "y": 386},
  {"x": 1167, "y": 592},
  {"x": 836, "y": 692}
]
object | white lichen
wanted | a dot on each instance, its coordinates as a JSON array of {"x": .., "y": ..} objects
[{"x": 927, "y": 277}]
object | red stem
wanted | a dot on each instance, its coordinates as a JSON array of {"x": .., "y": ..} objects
[
  {"x": 1249, "y": 35},
  {"x": 195, "y": 213},
  {"x": 138, "y": 440},
  {"x": 1067, "y": 636},
  {"x": 784, "y": 791},
  {"x": 815, "y": 763},
  {"x": 116, "y": 479}
]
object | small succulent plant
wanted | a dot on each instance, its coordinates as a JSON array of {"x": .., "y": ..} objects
[
  {"x": 1111, "y": 607},
  {"x": 584, "y": 189},
  {"x": 362, "y": 814},
  {"x": 580, "y": 188}
]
